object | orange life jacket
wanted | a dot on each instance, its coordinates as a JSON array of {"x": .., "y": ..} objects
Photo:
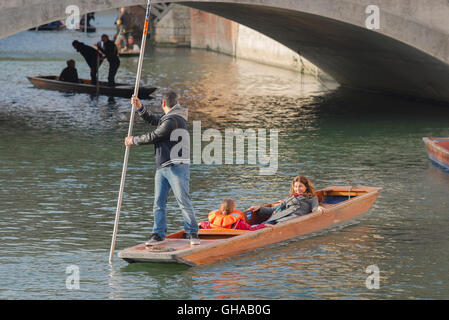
[{"x": 226, "y": 221}]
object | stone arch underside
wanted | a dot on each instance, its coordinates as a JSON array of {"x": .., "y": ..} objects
[{"x": 352, "y": 55}]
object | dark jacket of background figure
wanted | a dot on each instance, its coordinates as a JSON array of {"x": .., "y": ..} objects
[{"x": 69, "y": 75}]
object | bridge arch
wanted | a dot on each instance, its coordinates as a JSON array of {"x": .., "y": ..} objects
[{"x": 408, "y": 55}]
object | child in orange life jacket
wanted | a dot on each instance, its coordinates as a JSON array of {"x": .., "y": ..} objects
[{"x": 228, "y": 217}]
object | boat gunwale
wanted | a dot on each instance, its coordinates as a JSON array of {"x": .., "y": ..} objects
[
  {"x": 74, "y": 84},
  {"x": 432, "y": 143}
]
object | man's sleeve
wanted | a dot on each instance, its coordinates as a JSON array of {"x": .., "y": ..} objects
[
  {"x": 162, "y": 132},
  {"x": 100, "y": 48},
  {"x": 149, "y": 117}
]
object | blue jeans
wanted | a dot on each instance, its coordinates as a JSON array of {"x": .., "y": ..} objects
[{"x": 175, "y": 177}]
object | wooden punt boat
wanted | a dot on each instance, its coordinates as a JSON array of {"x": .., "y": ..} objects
[
  {"x": 341, "y": 206},
  {"x": 89, "y": 29},
  {"x": 49, "y": 27},
  {"x": 120, "y": 90},
  {"x": 438, "y": 150},
  {"x": 128, "y": 53}
]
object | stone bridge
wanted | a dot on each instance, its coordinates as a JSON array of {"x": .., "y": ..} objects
[{"x": 408, "y": 54}]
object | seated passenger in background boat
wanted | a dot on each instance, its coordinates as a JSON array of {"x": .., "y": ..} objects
[
  {"x": 227, "y": 217},
  {"x": 301, "y": 201},
  {"x": 69, "y": 74}
]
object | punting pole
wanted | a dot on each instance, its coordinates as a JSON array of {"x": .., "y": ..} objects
[
  {"x": 130, "y": 130},
  {"x": 98, "y": 76}
]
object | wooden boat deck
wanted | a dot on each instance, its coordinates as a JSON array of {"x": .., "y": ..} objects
[
  {"x": 176, "y": 243},
  {"x": 345, "y": 203}
]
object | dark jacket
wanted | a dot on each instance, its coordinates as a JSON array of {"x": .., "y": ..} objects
[
  {"x": 110, "y": 51},
  {"x": 90, "y": 54},
  {"x": 69, "y": 75},
  {"x": 176, "y": 118}
]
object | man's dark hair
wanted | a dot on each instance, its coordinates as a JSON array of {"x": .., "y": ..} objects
[
  {"x": 105, "y": 35},
  {"x": 170, "y": 98},
  {"x": 70, "y": 62},
  {"x": 76, "y": 43}
]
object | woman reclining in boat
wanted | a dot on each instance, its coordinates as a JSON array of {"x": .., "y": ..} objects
[
  {"x": 301, "y": 201},
  {"x": 228, "y": 217}
]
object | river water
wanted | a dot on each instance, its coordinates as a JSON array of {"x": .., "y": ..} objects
[{"x": 61, "y": 159}]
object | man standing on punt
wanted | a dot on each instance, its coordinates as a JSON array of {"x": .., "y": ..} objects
[
  {"x": 92, "y": 56},
  {"x": 172, "y": 168},
  {"x": 109, "y": 49}
]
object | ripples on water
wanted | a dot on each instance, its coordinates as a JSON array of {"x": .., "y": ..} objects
[{"x": 61, "y": 157}]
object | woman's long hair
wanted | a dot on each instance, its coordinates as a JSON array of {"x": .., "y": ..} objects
[{"x": 310, "y": 189}]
